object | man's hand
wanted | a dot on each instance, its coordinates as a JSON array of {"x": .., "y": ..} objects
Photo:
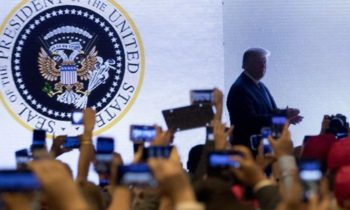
[
  {"x": 217, "y": 97},
  {"x": 221, "y": 135},
  {"x": 283, "y": 145},
  {"x": 264, "y": 160},
  {"x": 172, "y": 180},
  {"x": 116, "y": 162},
  {"x": 292, "y": 112},
  {"x": 296, "y": 120},
  {"x": 293, "y": 116},
  {"x": 218, "y": 103},
  {"x": 249, "y": 172},
  {"x": 163, "y": 138},
  {"x": 57, "y": 146},
  {"x": 58, "y": 185}
]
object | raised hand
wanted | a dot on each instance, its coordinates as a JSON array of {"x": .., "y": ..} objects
[
  {"x": 163, "y": 138},
  {"x": 221, "y": 135},
  {"x": 57, "y": 146},
  {"x": 172, "y": 180},
  {"x": 249, "y": 171},
  {"x": 218, "y": 103},
  {"x": 283, "y": 145},
  {"x": 61, "y": 191},
  {"x": 264, "y": 160}
]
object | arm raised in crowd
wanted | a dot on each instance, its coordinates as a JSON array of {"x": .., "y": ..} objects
[
  {"x": 174, "y": 184},
  {"x": 17, "y": 201},
  {"x": 121, "y": 199},
  {"x": 220, "y": 143},
  {"x": 218, "y": 104},
  {"x": 56, "y": 148},
  {"x": 165, "y": 138},
  {"x": 201, "y": 169},
  {"x": 87, "y": 152},
  {"x": 221, "y": 135},
  {"x": 120, "y": 195},
  {"x": 283, "y": 149},
  {"x": 262, "y": 159},
  {"x": 252, "y": 175},
  {"x": 293, "y": 200},
  {"x": 59, "y": 188}
]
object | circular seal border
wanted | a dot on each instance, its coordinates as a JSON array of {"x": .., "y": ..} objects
[{"x": 139, "y": 85}]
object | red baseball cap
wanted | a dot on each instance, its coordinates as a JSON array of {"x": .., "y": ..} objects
[
  {"x": 339, "y": 155},
  {"x": 342, "y": 187},
  {"x": 318, "y": 147}
]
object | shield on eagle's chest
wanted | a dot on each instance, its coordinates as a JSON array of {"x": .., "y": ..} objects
[{"x": 68, "y": 74}]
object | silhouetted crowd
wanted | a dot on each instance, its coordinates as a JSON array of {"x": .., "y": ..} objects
[{"x": 272, "y": 175}]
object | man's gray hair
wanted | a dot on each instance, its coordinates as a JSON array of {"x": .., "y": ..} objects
[{"x": 256, "y": 51}]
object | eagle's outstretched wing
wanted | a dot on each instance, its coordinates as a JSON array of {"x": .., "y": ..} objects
[
  {"x": 47, "y": 66},
  {"x": 88, "y": 65}
]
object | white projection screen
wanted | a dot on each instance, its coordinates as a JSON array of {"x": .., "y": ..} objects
[
  {"x": 169, "y": 48},
  {"x": 309, "y": 63},
  {"x": 181, "y": 45}
]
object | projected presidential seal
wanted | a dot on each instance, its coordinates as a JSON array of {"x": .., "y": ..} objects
[{"x": 62, "y": 55}]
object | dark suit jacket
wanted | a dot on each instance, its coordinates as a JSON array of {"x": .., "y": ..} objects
[{"x": 249, "y": 109}]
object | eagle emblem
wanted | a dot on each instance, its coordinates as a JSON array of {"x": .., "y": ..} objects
[{"x": 69, "y": 65}]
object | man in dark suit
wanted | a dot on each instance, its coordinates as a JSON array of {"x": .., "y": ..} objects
[{"x": 250, "y": 103}]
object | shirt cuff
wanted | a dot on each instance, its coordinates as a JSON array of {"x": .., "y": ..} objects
[{"x": 286, "y": 164}]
